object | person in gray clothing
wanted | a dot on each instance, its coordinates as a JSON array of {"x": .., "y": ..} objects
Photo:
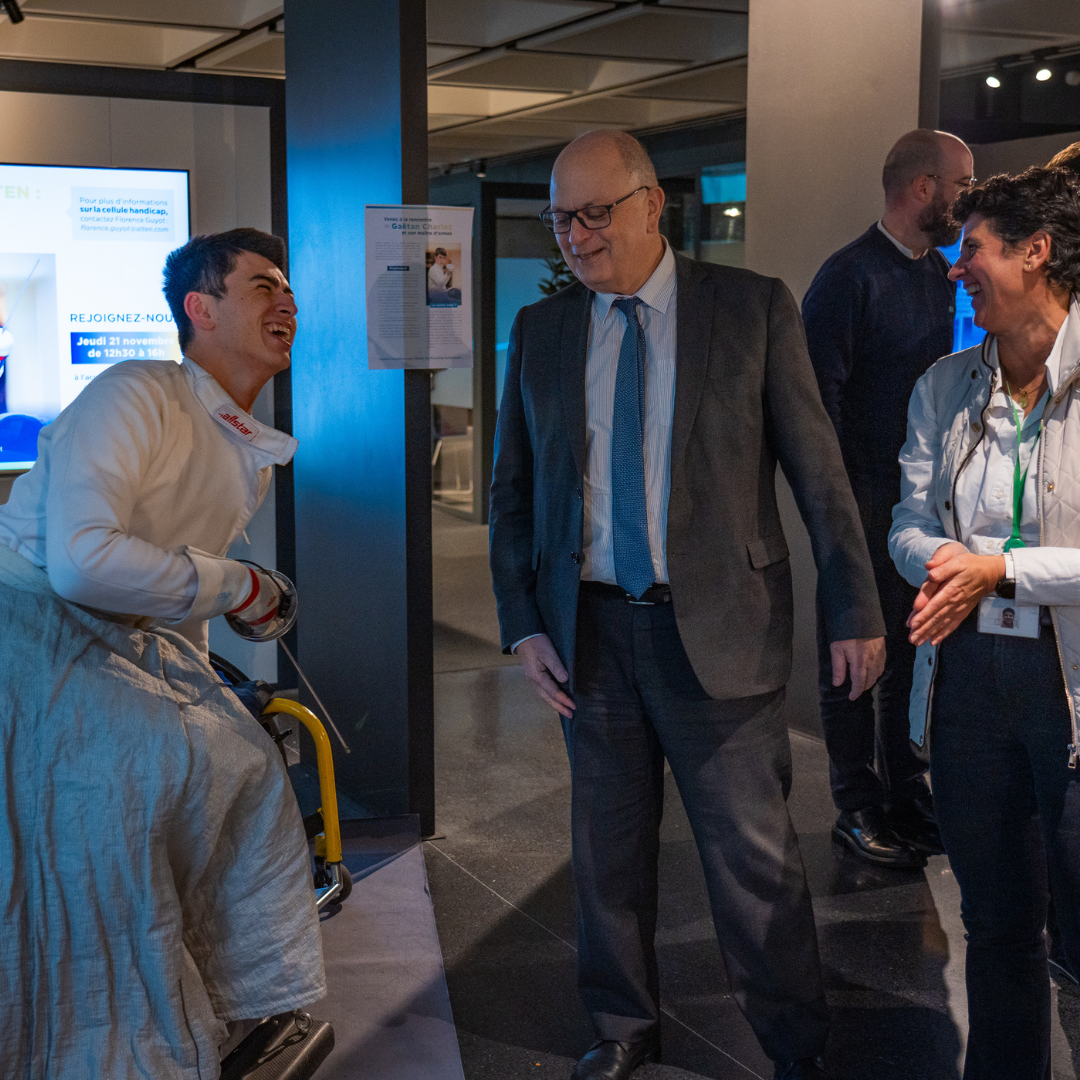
[{"x": 641, "y": 574}]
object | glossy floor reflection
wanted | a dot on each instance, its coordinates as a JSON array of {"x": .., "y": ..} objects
[{"x": 892, "y": 942}]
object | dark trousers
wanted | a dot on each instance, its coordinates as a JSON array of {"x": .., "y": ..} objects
[
  {"x": 638, "y": 701},
  {"x": 851, "y": 733},
  {"x": 1009, "y": 810}
]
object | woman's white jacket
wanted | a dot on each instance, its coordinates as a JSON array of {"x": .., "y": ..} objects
[{"x": 945, "y": 425}]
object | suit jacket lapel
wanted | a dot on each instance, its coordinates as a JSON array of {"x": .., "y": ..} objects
[
  {"x": 694, "y": 310},
  {"x": 575, "y": 347}
]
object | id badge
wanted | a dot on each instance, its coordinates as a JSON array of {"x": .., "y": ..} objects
[{"x": 998, "y": 616}]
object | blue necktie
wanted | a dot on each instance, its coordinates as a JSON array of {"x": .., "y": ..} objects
[{"x": 629, "y": 516}]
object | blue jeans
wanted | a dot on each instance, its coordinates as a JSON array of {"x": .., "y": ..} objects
[{"x": 1009, "y": 810}]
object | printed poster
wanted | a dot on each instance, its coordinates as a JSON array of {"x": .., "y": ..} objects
[{"x": 419, "y": 286}]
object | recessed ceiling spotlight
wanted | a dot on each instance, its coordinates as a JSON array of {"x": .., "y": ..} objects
[
  {"x": 733, "y": 211},
  {"x": 1044, "y": 74},
  {"x": 1072, "y": 78},
  {"x": 993, "y": 82}
]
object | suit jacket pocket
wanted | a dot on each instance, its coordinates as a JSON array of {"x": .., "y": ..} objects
[{"x": 767, "y": 550}]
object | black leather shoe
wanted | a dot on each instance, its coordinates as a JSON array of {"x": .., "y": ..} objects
[
  {"x": 609, "y": 1060},
  {"x": 868, "y": 835},
  {"x": 914, "y": 820},
  {"x": 807, "y": 1069}
]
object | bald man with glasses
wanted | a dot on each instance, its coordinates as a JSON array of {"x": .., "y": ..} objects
[
  {"x": 642, "y": 576},
  {"x": 879, "y": 312}
]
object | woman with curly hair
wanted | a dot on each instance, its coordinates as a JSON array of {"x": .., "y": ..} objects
[{"x": 988, "y": 529}]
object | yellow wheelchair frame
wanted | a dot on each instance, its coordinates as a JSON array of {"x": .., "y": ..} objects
[{"x": 333, "y": 883}]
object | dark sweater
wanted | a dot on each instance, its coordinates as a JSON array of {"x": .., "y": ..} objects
[{"x": 875, "y": 321}]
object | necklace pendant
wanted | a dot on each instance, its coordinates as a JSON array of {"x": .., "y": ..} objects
[{"x": 1022, "y": 399}]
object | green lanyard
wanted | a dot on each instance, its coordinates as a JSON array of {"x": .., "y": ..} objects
[{"x": 1019, "y": 478}]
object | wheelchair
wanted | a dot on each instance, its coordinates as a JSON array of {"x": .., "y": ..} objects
[{"x": 292, "y": 1045}]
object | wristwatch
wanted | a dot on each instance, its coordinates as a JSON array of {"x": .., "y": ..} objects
[{"x": 1006, "y": 586}]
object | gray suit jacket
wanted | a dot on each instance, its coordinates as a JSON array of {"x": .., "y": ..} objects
[{"x": 745, "y": 399}]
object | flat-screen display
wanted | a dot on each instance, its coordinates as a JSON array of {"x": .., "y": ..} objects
[{"x": 81, "y": 256}]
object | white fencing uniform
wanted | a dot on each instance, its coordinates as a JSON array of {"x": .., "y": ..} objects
[
  {"x": 154, "y": 873},
  {"x": 150, "y": 458}
]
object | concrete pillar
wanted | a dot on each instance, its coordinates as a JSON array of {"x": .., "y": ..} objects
[
  {"x": 831, "y": 86},
  {"x": 356, "y": 114}
]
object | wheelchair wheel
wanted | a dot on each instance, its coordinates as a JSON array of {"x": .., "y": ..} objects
[{"x": 346, "y": 883}]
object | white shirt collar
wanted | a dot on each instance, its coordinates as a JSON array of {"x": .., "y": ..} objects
[
  {"x": 655, "y": 293},
  {"x": 900, "y": 247},
  {"x": 276, "y": 445},
  {"x": 1064, "y": 356}
]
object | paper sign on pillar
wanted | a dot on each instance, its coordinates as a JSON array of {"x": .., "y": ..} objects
[{"x": 419, "y": 286}]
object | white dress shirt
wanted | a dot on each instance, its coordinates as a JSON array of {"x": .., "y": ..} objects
[
  {"x": 657, "y": 313},
  {"x": 606, "y": 330},
  {"x": 984, "y": 490}
]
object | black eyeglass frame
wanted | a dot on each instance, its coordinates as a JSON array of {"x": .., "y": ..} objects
[
  {"x": 966, "y": 185},
  {"x": 547, "y": 217}
]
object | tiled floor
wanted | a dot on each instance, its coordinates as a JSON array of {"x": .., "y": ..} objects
[{"x": 500, "y": 879}]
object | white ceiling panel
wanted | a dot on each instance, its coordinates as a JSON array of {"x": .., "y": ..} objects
[
  {"x": 86, "y": 42},
  {"x": 239, "y": 14},
  {"x": 483, "y": 23},
  {"x": 258, "y": 53},
  {"x": 711, "y": 5},
  {"x": 658, "y": 34},
  {"x": 633, "y": 113},
  {"x": 548, "y": 71},
  {"x": 482, "y": 101},
  {"x": 549, "y": 130},
  {"x": 440, "y": 54},
  {"x": 726, "y": 83},
  {"x": 446, "y": 150},
  {"x": 437, "y": 121}
]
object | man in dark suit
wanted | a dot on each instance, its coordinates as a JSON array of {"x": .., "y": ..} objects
[{"x": 641, "y": 574}]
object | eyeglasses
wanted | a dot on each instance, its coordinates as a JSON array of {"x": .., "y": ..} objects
[
  {"x": 964, "y": 183},
  {"x": 591, "y": 217}
]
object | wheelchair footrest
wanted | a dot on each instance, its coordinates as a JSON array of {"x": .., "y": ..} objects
[{"x": 290, "y": 1046}]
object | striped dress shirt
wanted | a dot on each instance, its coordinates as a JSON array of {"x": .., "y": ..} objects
[{"x": 606, "y": 329}]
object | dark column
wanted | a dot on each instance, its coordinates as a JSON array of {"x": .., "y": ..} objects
[
  {"x": 485, "y": 407},
  {"x": 356, "y": 99}
]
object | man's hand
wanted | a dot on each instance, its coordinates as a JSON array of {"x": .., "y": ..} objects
[
  {"x": 863, "y": 657},
  {"x": 956, "y": 582},
  {"x": 545, "y": 671}
]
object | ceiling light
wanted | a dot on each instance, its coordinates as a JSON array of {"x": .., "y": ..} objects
[
  {"x": 481, "y": 170},
  {"x": 733, "y": 211},
  {"x": 1044, "y": 74},
  {"x": 11, "y": 7},
  {"x": 993, "y": 82}
]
